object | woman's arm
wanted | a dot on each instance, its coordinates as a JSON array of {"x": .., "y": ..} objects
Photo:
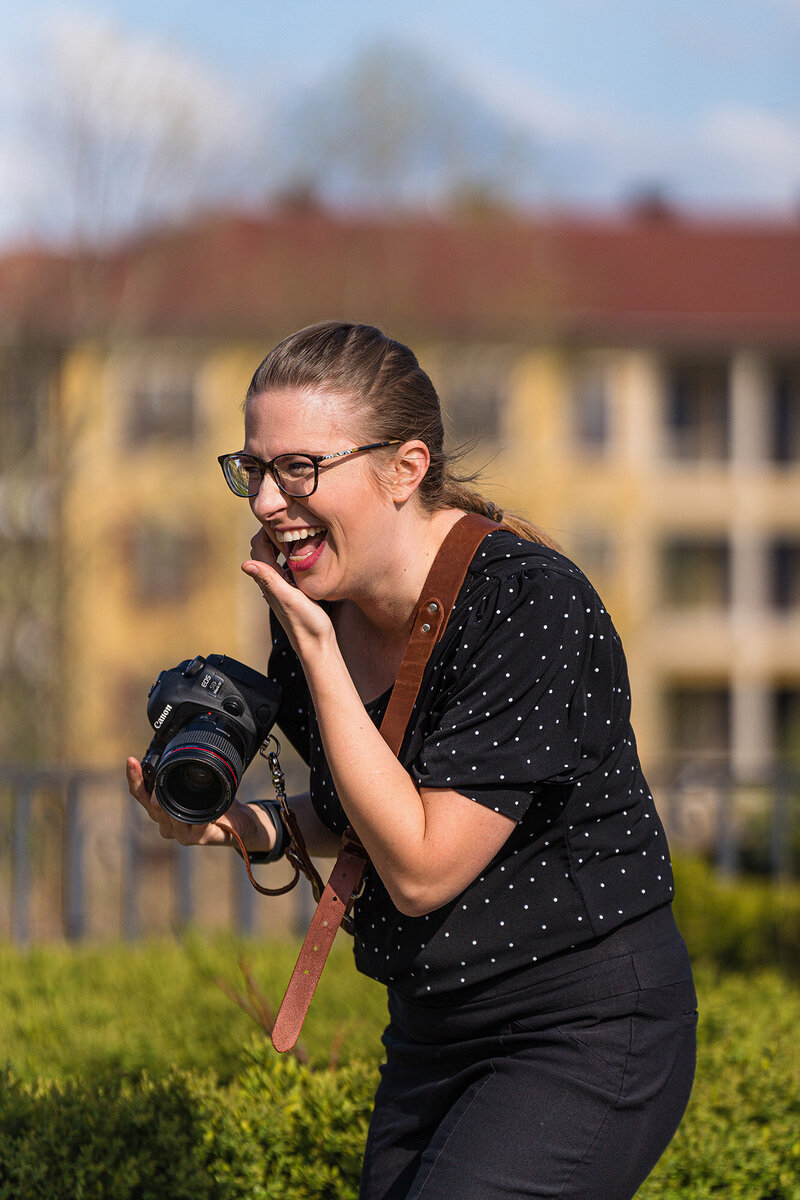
[{"x": 426, "y": 846}]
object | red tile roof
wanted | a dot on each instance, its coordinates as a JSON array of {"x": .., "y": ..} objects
[{"x": 664, "y": 278}]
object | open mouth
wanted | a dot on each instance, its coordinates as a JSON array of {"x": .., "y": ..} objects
[{"x": 301, "y": 547}]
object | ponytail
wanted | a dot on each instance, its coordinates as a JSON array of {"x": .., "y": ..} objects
[{"x": 456, "y": 494}]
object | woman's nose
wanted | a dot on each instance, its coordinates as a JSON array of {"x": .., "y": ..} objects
[{"x": 268, "y": 500}]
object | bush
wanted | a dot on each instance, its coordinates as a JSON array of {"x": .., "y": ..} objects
[
  {"x": 739, "y": 1138},
  {"x": 108, "y": 1139},
  {"x": 283, "y": 1129},
  {"x": 308, "y": 1127},
  {"x": 738, "y": 924},
  {"x": 73, "y": 1011},
  {"x": 133, "y": 1075}
]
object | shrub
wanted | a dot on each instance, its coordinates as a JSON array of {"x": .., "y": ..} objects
[
  {"x": 739, "y": 1138},
  {"x": 738, "y": 924},
  {"x": 108, "y": 1139},
  {"x": 133, "y": 1075},
  {"x": 308, "y": 1126},
  {"x": 73, "y": 1011},
  {"x": 283, "y": 1129}
]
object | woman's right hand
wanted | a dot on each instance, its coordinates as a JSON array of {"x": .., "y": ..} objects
[
  {"x": 306, "y": 622},
  {"x": 239, "y": 817}
]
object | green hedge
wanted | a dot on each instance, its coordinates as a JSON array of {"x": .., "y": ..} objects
[
  {"x": 74, "y": 1010},
  {"x": 740, "y": 923},
  {"x": 740, "y": 1138},
  {"x": 282, "y": 1129},
  {"x": 132, "y": 1073},
  {"x": 68, "y": 1011}
]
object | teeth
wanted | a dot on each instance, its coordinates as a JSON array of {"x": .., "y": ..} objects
[{"x": 297, "y": 535}]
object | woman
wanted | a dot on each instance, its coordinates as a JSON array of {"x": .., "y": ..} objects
[{"x": 541, "y": 1040}]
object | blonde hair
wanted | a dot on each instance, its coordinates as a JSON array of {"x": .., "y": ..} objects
[{"x": 384, "y": 380}]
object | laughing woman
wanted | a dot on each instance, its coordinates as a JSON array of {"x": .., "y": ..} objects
[{"x": 517, "y": 904}]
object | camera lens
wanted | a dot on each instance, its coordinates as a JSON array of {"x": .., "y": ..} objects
[
  {"x": 197, "y": 778},
  {"x": 199, "y": 772}
]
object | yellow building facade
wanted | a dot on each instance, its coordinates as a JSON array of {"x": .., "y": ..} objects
[
  {"x": 674, "y": 480},
  {"x": 152, "y": 539},
  {"x": 633, "y": 386},
  {"x": 688, "y": 526}
]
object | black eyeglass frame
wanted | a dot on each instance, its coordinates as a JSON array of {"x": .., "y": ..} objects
[{"x": 314, "y": 459}]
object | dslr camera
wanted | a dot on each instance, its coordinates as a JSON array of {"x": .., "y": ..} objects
[{"x": 210, "y": 715}]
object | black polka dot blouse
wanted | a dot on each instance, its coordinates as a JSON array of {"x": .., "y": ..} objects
[{"x": 524, "y": 707}]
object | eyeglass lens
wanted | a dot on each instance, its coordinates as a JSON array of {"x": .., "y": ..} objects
[{"x": 294, "y": 474}]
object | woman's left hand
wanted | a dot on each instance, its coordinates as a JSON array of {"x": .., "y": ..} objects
[{"x": 306, "y": 622}]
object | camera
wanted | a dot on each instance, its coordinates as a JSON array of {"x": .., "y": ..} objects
[{"x": 210, "y": 715}]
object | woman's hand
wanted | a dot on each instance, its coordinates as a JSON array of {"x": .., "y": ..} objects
[
  {"x": 306, "y": 622},
  {"x": 240, "y": 817}
]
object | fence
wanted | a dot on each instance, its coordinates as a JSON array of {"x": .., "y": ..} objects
[{"x": 81, "y": 860}]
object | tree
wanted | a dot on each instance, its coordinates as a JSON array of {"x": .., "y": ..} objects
[
  {"x": 394, "y": 131},
  {"x": 127, "y": 133}
]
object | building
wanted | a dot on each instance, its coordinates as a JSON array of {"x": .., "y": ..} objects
[{"x": 633, "y": 384}]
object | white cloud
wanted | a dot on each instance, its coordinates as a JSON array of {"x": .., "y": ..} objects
[
  {"x": 729, "y": 156},
  {"x": 114, "y": 129},
  {"x": 123, "y": 82},
  {"x": 756, "y": 141}
]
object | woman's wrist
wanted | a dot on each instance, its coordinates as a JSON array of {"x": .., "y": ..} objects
[
  {"x": 268, "y": 816},
  {"x": 252, "y": 825}
]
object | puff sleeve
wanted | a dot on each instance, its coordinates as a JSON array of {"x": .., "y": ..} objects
[{"x": 534, "y": 692}]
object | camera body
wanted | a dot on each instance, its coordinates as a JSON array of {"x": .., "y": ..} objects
[{"x": 210, "y": 715}]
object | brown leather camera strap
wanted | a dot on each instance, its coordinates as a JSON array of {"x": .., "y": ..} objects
[{"x": 432, "y": 614}]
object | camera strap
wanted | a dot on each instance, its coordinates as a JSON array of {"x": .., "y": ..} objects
[
  {"x": 295, "y": 851},
  {"x": 432, "y": 613}
]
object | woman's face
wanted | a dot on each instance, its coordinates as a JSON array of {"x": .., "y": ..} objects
[{"x": 346, "y": 521}]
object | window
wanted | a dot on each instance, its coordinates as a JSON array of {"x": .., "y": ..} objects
[
  {"x": 164, "y": 563},
  {"x": 785, "y": 431},
  {"x": 698, "y": 722},
  {"x": 473, "y": 383},
  {"x": 25, "y": 374},
  {"x": 161, "y": 399},
  {"x": 784, "y": 574},
  {"x": 697, "y": 411},
  {"x": 695, "y": 572},
  {"x": 591, "y": 407},
  {"x": 787, "y": 713}
]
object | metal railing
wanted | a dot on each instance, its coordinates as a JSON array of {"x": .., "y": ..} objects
[{"x": 79, "y": 859}]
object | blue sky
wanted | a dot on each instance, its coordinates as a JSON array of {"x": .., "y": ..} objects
[{"x": 699, "y": 97}]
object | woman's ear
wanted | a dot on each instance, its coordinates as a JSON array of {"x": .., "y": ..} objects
[{"x": 409, "y": 468}]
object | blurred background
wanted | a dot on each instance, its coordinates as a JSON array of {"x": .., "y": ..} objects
[{"x": 585, "y": 219}]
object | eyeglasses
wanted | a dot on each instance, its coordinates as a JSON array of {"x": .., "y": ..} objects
[{"x": 295, "y": 474}]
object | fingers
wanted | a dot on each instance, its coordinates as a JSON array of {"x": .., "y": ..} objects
[
  {"x": 137, "y": 789},
  {"x": 168, "y": 827},
  {"x": 136, "y": 784},
  {"x": 263, "y": 549}
]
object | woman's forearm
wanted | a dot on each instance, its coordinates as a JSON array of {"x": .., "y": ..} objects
[
  {"x": 257, "y": 831},
  {"x": 379, "y": 796}
]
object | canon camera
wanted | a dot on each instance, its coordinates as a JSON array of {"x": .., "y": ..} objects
[{"x": 210, "y": 715}]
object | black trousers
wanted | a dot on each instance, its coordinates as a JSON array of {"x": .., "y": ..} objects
[{"x": 570, "y": 1086}]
